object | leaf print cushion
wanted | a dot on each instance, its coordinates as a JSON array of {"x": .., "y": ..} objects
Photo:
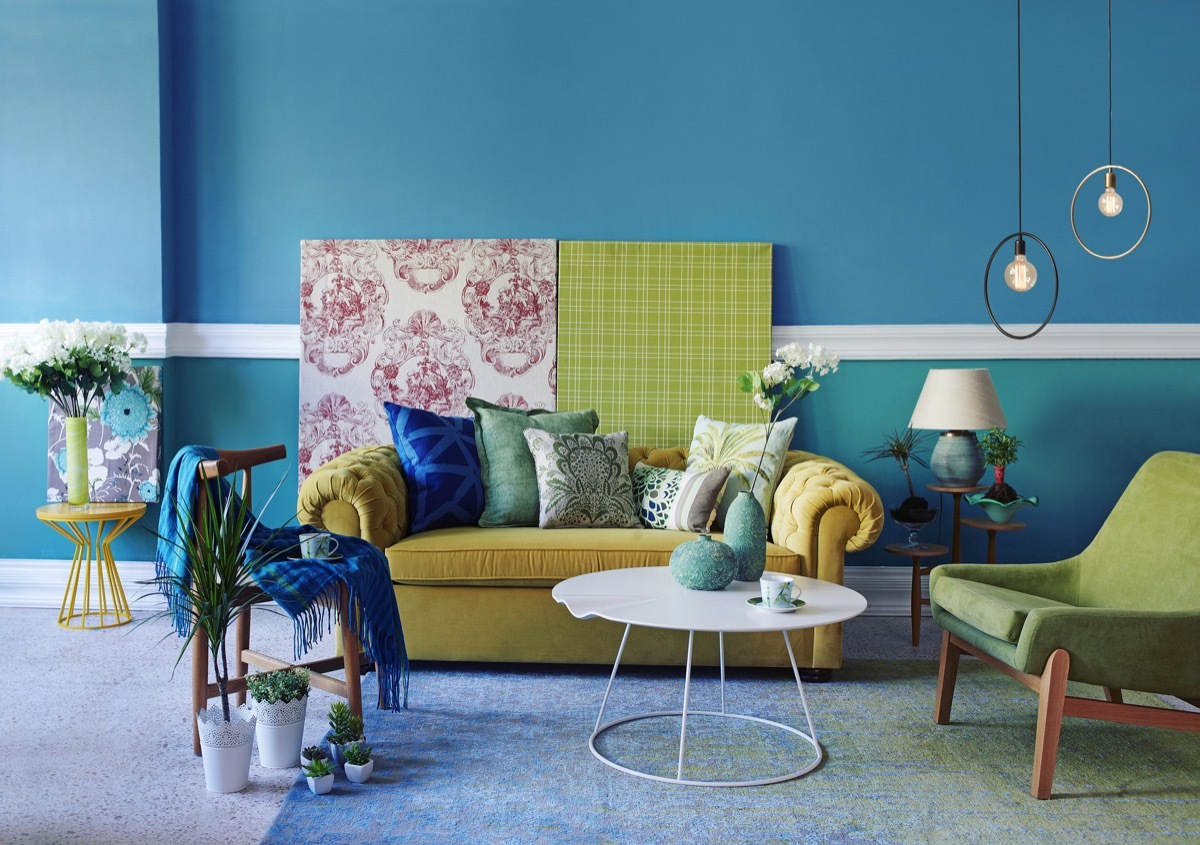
[
  {"x": 583, "y": 480},
  {"x": 677, "y": 500},
  {"x": 739, "y": 446}
]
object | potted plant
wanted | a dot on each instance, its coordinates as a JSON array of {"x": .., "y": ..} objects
[
  {"x": 344, "y": 728},
  {"x": 280, "y": 705},
  {"x": 319, "y": 774},
  {"x": 904, "y": 449},
  {"x": 1001, "y": 501},
  {"x": 359, "y": 763},
  {"x": 311, "y": 753},
  {"x": 205, "y": 570}
]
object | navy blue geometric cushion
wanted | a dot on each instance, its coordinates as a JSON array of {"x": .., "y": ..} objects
[{"x": 440, "y": 466}]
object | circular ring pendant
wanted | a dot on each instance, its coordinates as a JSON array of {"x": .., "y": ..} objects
[
  {"x": 1145, "y": 228},
  {"x": 988, "y": 271}
]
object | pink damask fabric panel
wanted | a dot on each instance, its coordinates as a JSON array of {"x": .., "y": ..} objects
[{"x": 423, "y": 323}]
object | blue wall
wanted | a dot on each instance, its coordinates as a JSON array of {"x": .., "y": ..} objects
[
  {"x": 80, "y": 205},
  {"x": 874, "y": 143}
]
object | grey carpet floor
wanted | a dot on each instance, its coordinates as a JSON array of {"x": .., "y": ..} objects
[{"x": 99, "y": 729}]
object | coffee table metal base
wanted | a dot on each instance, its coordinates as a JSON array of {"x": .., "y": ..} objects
[{"x": 810, "y": 737}]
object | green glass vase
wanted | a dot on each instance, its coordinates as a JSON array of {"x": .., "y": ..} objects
[
  {"x": 78, "y": 493},
  {"x": 703, "y": 564},
  {"x": 746, "y": 534}
]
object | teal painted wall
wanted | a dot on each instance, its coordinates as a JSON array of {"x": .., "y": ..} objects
[
  {"x": 873, "y": 143},
  {"x": 80, "y": 210}
]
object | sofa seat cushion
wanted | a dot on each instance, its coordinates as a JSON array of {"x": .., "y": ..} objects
[
  {"x": 997, "y": 611},
  {"x": 535, "y": 557}
]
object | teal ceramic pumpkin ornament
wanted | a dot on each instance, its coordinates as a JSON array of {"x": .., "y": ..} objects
[
  {"x": 703, "y": 564},
  {"x": 746, "y": 534}
]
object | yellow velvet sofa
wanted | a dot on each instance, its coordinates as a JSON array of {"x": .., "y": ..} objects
[{"x": 472, "y": 593}]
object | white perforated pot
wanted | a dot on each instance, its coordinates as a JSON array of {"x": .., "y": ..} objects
[
  {"x": 280, "y": 732},
  {"x": 226, "y": 747}
]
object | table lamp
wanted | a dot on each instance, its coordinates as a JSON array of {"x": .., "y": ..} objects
[{"x": 958, "y": 402}]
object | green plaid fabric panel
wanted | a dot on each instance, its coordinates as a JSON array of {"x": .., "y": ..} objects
[{"x": 652, "y": 335}]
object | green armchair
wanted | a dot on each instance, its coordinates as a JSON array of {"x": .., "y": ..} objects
[{"x": 1124, "y": 614}]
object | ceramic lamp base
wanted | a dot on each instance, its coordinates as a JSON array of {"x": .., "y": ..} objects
[{"x": 957, "y": 460}]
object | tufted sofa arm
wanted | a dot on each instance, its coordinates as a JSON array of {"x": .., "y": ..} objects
[
  {"x": 360, "y": 494},
  {"x": 821, "y": 511}
]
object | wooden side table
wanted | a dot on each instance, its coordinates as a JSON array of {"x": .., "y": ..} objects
[
  {"x": 957, "y": 493},
  {"x": 992, "y": 529},
  {"x": 92, "y": 529},
  {"x": 925, "y": 550}
]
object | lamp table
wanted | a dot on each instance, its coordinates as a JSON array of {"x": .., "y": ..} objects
[
  {"x": 992, "y": 528},
  {"x": 922, "y": 551},
  {"x": 956, "y": 531},
  {"x": 92, "y": 528}
]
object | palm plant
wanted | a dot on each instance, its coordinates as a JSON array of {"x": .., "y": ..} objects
[
  {"x": 218, "y": 582},
  {"x": 903, "y": 448}
]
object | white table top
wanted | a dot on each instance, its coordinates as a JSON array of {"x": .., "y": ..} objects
[{"x": 650, "y": 597}]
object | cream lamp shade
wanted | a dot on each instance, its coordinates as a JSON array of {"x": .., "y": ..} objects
[{"x": 958, "y": 403}]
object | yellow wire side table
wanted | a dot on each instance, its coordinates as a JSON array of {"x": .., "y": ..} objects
[{"x": 92, "y": 529}]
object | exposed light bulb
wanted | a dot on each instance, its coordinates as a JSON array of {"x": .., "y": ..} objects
[
  {"x": 1110, "y": 201},
  {"x": 1020, "y": 274}
]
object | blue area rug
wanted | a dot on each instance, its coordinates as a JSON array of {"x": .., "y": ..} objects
[{"x": 498, "y": 754}]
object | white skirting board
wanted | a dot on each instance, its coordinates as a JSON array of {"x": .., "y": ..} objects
[{"x": 41, "y": 583}]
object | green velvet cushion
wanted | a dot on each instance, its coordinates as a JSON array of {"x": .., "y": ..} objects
[
  {"x": 583, "y": 480},
  {"x": 509, "y": 477},
  {"x": 996, "y": 611}
]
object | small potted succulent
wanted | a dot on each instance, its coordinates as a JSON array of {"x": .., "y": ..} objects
[
  {"x": 344, "y": 728},
  {"x": 280, "y": 703},
  {"x": 914, "y": 512},
  {"x": 312, "y": 753},
  {"x": 359, "y": 763},
  {"x": 319, "y": 774},
  {"x": 1000, "y": 502}
]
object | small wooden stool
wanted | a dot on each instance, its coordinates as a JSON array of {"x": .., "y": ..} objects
[
  {"x": 926, "y": 550},
  {"x": 992, "y": 529}
]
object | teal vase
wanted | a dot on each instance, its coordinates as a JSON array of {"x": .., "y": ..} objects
[
  {"x": 746, "y": 534},
  {"x": 703, "y": 564}
]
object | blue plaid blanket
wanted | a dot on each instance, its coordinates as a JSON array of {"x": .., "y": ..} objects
[{"x": 308, "y": 590}]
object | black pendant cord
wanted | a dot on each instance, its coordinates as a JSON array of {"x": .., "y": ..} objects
[
  {"x": 1110, "y": 109},
  {"x": 1020, "y": 163}
]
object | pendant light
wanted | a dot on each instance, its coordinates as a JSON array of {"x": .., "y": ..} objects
[
  {"x": 1110, "y": 202},
  {"x": 1020, "y": 275}
]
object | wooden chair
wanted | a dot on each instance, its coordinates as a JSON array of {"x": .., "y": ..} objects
[{"x": 355, "y": 664}]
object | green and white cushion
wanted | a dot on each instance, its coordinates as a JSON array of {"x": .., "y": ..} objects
[
  {"x": 740, "y": 448},
  {"x": 677, "y": 500},
  {"x": 583, "y": 480}
]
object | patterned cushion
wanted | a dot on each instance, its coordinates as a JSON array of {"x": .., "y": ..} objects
[
  {"x": 739, "y": 447},
  {"x": 510, "y": 490},
  {"x": 583, "y": 480},
  {"x": 677, "y": 500},
  {"x": 440, "y": 467}
]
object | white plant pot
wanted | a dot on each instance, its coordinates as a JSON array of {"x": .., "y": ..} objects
[
  {"x": 360, "y": 774},
  {"x": 304, "y": 760},
  {"x": 227, "y": 747},
  {"x": 321, "y": 785},
  {"x": 280, "y": 732}
]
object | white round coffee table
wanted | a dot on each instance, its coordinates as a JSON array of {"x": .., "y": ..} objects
[{"x": 650, "y": 597}]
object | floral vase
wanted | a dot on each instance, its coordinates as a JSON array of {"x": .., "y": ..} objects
[
  {"x": 746, "y": 534},
  {"x": 703, "y": 564},
  {"x": 78, "y": 493}
]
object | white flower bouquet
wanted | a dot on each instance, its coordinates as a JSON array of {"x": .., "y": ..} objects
[
  {"x": 71, "y": 364},
  {"x": 786, "y": 380}
]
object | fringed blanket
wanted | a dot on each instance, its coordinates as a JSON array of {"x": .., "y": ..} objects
[{"x": 307, "y": 589}]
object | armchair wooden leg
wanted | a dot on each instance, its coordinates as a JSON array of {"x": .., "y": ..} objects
[
  {"x": 1051, "y": 702},
  {"x": 947, "y": 675},
  {"x": 199, "y": 682},
  {"x": 242, "y": 634},
  {"x": 1114, "y": 695}
]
